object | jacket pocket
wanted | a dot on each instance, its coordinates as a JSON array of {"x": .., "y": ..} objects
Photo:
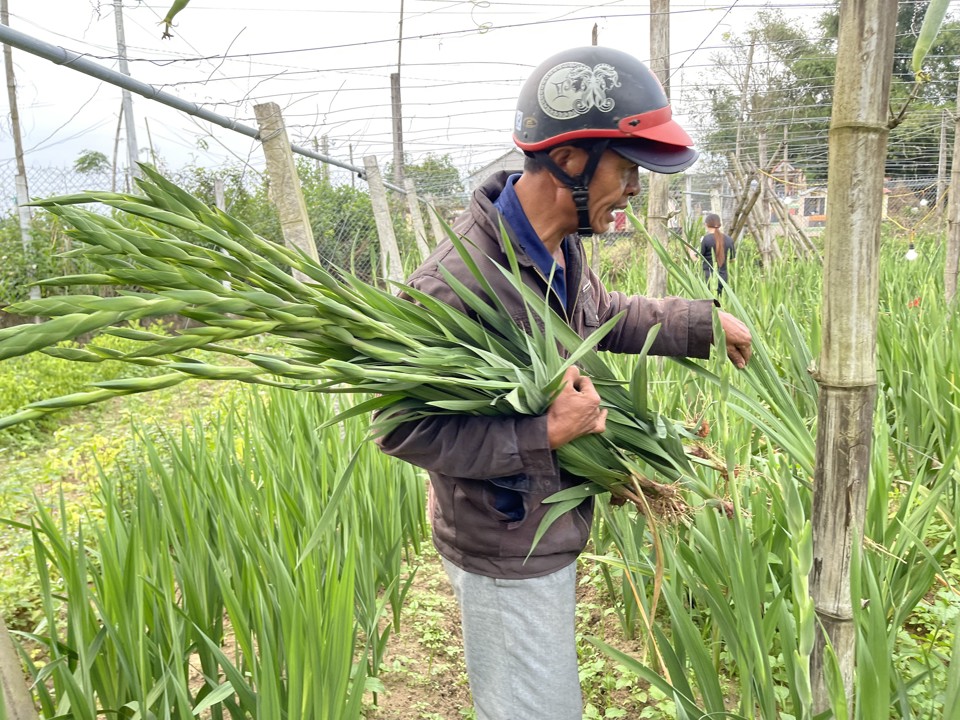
[
  {"x": 589, "y": 311},
  {"x": 508, "y": 505}
]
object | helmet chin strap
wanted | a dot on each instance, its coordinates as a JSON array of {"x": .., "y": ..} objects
[{"x": 578, "y": 184}]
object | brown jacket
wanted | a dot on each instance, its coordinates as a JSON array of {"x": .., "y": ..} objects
[{"x": 489, "y": 475}]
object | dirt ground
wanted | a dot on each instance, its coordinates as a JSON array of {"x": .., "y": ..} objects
[{"x": 424, "y": 677}]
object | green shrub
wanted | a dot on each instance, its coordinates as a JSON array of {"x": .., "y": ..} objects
[{"x": 45, "y": 258}]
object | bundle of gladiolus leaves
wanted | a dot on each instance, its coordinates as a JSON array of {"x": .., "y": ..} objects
[{"x": 406, "y": 359}]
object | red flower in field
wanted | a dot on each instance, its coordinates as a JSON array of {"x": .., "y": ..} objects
[{"x": 914, "y": 303}]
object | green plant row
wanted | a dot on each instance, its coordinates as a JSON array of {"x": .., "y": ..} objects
[
  {"x": 246, "y": 577},
  {"x": 721, "y": 601}
]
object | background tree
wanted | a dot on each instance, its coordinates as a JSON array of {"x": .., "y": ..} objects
[
  {"x": 91, "y": 161},
  {"x": 914, "y": 142},
  {"x": 791, "y": 74},
  {"x": 437, "y": 181},
  {"x": 773, "y": 75}
]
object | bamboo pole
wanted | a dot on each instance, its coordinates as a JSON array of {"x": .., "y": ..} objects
[
  {"x": 942, "y": 165},
  {"x": 762, "y": 208},
  {"x": 781, "y": 213},
  {"x": 750, "y": 215},
  {"x": 747, "y": 200},
  {"x": 792, "y": 230},
  {"x": 847, "y": 367}
]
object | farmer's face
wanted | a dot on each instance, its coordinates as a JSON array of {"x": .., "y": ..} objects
[{"x": 614, "y": 183}]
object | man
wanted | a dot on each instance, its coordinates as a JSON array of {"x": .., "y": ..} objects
[{"x": 586, "y": 119}]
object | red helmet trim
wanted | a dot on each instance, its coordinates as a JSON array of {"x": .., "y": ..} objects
[
  {"x": 642, "y": 123},
  {"x": 656, "y": 125}
]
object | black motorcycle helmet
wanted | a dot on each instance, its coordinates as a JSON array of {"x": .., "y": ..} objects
[{"x": 599, "y": 98}]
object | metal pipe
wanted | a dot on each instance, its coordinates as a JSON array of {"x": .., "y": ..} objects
[{"x": 75, "y": 61}]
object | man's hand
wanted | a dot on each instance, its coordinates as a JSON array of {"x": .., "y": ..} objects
[
  {"x": 738, "y": 339},
  {"x": 576, "y": 410}
]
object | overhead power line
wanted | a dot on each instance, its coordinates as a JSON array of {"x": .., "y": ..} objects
[
  {"x": 73, "y": 61},
  {"x": 446, "y": 34}
]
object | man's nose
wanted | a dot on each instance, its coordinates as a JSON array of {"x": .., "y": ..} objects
[{"x": 633, "y": 182}]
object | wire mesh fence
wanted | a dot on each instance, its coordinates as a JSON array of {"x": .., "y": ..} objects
[
  {"x": 915, "y": 204},
  {"x": 342, "y": 220},
  {"x": 338, "y": 205},
  {"x": 47, "y": 181}
]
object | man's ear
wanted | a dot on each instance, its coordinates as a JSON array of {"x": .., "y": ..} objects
[{"x": 569, "y": 158}]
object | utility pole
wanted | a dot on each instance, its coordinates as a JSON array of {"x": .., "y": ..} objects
[
  {"x": 595, "y": 244},
  {"x": 132, "y": 152},
  {"x": 23, "y": 194},
  {"x": 395, "y": 110},
  {"x": 658, "y": 196}
]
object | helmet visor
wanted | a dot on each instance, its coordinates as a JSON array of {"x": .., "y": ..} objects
[{"x": 656, "y": 156}]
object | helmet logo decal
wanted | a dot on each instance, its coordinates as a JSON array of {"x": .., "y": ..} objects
[{"x": 572, "y": 89}]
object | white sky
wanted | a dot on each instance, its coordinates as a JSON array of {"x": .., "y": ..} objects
[{"x": 327, "y": 64}]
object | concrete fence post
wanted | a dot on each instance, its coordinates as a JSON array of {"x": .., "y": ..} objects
[
  {"x": 285, "y": 191},
  {"x": 391, "y": 264}
]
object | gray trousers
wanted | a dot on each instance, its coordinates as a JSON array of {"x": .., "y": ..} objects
[{"x": 520, "y": 645}]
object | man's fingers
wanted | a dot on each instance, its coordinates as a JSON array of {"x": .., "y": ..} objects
[
  {"x": 740, "y": 356},
  {"x": 735, "y": 354},
  {"x": 739, "y": 341}
]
